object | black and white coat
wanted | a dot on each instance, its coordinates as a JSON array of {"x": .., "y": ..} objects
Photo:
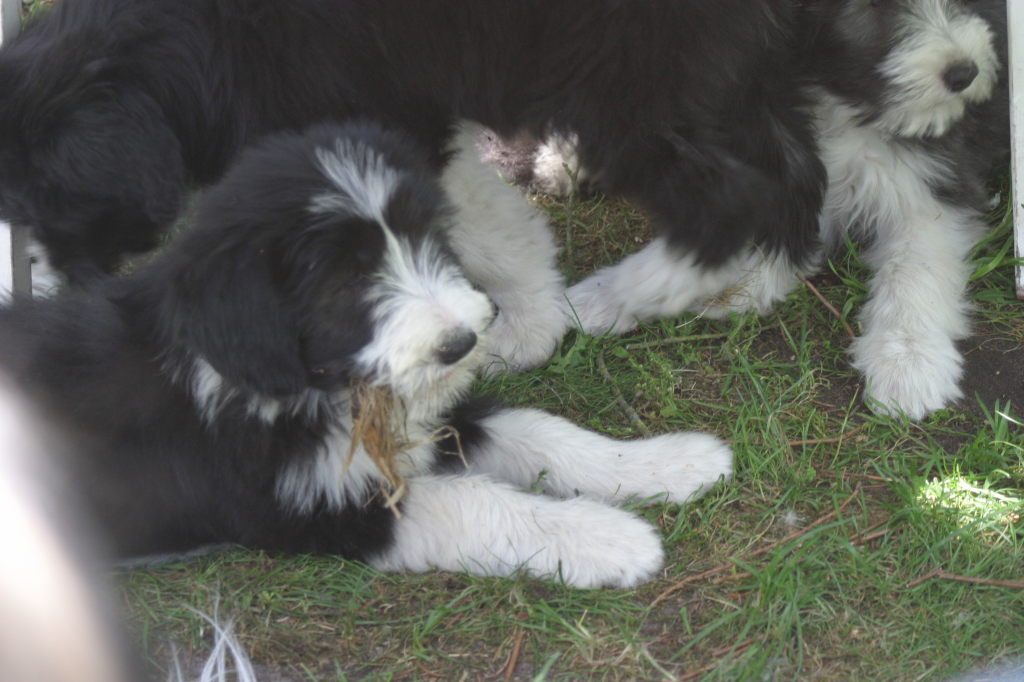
[
  {"x": 110, "y": 109},
  {"x": 911, "y": 118},
  {"x": 205, "y": 398}
]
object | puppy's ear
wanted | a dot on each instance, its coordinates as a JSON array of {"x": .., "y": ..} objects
[{"x": 229, "y": 311}]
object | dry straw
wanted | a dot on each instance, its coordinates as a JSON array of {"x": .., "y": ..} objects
[{"x": 379, "y": 425}]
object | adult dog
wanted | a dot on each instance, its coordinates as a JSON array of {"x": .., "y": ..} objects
[
  {"x": 110, "y": 108},
  {"x": 911, "y": 112},
  {"x": 211, "y": 396}
]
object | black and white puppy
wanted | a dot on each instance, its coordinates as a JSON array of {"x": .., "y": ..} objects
[
  {"x": 110, "y": 108},
  {"x": 911, "y": 114},
  {"x": 208, "y": 395}
]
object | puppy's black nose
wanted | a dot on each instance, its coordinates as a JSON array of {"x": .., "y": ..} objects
[
  {"x": 456, "y": 346},
  {"x": 959, "y": 76}
]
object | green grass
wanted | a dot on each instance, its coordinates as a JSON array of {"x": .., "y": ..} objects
[{"x": 814, "y": 553}]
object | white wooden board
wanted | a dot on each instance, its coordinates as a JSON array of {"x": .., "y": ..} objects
[
  {"x": 1015, "y": 10},
  {"x": 15, "y": 273}
]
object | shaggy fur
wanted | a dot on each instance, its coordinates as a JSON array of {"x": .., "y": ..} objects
[
  {"x": 208, "y": 394},
  {"x": 913, "y": 121},
  {"x": 911, "y": 116},
  {"x": 109, "y": 109}
]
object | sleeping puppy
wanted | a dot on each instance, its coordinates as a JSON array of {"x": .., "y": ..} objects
[
  {"x": 293, "y": 372},
  {"x": 109, "y": 109}
]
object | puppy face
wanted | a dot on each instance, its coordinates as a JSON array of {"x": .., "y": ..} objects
[
  {"x": 914, "y": 66},
  {"x": 321, "y": 259}
]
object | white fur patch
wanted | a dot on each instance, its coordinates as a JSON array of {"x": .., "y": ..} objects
[
  {"x": 324, "y": 478},
  {"x": 506, "y": 247},
  {"x": 418, "y": 299},
  {"x": 935, "y": 35},
  {"x": 763, "y": 280},
  {"x": 212, "y": 393},
  {"x": 474, "y": 524},
  {"x": 879, "y": 191},
  {"x": 364, "y": 180},
  {"x": 529, "y": 446},
  {"x": 554, "y": 165},
  {"x": 651, "y": 283}
]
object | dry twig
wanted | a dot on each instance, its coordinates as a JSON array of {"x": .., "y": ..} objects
[
  {"x": 513, "y": 658},
  {"x": 764, "y": 550},
  {"x": 831, "y": 308},
  {"x": 827, "y": 441},
  {"x": 939, "y": 573},
  {"x": 718, "y": 653},
  {"x": 674, "y": 340},
  {"x": 626, "y": 407}
]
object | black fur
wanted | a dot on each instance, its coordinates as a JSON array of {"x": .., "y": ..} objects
[
  {"x": 269, "y": 293},
  {"x": 111, "y": 108}
]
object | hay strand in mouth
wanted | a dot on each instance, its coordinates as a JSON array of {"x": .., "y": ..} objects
[{"x": 379, "y": 425}]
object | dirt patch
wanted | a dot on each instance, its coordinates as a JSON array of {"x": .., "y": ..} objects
[{"x": 993, "y": 371}]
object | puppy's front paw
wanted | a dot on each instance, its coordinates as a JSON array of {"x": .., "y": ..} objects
[
  {"x": 520, "y": 341},
  {"x": 595, "y": 305},
  {"x": 675, "y": 467},
  {"x": 598, "y": 546},
  {"x": 915, "y": 376}
]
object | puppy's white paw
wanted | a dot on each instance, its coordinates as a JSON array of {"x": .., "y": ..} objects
[
  {"x": 675, "y": 467},
  {"x": 472, "y": 523},
  {"x": 595, "y": 305},
  {"x": 519, "y": 340},
  {"x": 916, "y": 376},
  {"x": 589, "y": 544}
]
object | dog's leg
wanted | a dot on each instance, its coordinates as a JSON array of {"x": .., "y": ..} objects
[
  {"x": 651, "y": 283},
  {"x": 474, "y": 524},
  {"x": 506, "y": 247},
  {"x": 917, "y": 310},
  {"x": 528, "y": 447},
  {"x": 766, "y": 279}
]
